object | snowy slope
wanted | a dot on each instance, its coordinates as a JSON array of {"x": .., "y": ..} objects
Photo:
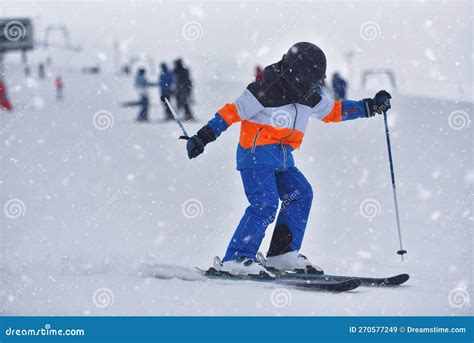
[{"x": 104, "y": 209}]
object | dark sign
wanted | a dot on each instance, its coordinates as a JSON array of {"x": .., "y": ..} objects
[{"x": 16, "y": 34}]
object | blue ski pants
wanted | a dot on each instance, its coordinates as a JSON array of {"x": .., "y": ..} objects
[{"x": 265, "y": 189}]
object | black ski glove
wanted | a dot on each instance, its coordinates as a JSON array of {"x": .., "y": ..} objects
[
  {"x": 196, "y": 143},
  {"x": 379, "y": 104}
]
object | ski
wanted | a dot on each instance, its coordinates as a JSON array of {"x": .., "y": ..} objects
[
  {"x": 136, "y": 103},
  {"x": 313, "y": 274},
  {"x": 365, "y": 281},
  {"x": 345, "y": 285}
]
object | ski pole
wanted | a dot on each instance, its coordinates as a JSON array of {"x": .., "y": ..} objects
[
  {"x": 401, "y": 251},
  {"x": 175, "y": 116}
]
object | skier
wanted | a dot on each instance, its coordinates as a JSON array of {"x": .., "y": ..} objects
[
  {"x": 41, "y": 71},
  {"x": 166, "y": 82},
  {"x": 58, "y": 85},
  {"x": 258, "y": 73},
  {"x": 339, "y": 87},
  {"x": 273, "y": 115},
  {"x": 184, "y": 87},
  {"x": 142, "y": 84},
  {"x": 4, "y": 102}
]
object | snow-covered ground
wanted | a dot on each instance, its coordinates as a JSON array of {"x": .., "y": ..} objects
[{"x": 102, "y": 208}]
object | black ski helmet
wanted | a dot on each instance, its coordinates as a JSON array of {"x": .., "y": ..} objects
[{"x": 304, "y": 66}]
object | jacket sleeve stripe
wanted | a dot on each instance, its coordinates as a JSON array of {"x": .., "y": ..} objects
[
  {"x": 336, "y": 113},
  {"x": 229, "y": 113},
  {"x": 218, "y": 125},
  {"x": 353, "y": 109}
]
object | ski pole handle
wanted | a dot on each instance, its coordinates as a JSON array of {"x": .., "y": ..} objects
[{"x": 385, "y": 105}]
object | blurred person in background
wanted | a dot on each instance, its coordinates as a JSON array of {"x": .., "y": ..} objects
[
  {"x": 59, "y": 85},
  {"x": 166, "y": 81},
  {"x": 184, "y": 88},
  {"x": 41, "y": 71},
  {"x": 4, "y": 102},
  {"x": 258, "y": 73},
  {"x": 339, "y": 86},
  {"x": 141, "y": 85}
]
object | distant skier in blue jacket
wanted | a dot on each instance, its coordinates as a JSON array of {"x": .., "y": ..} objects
[
  {"x": 166, "y": 82},
  {"x": 339, "y": 87},
  {"x": 141, "y": 85},
  {"x": 274, "y": 114}
]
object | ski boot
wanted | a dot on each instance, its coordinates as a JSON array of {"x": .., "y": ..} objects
[
  {"x": 289, "y": 262},
  {"x": 242, "y": 266}
]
